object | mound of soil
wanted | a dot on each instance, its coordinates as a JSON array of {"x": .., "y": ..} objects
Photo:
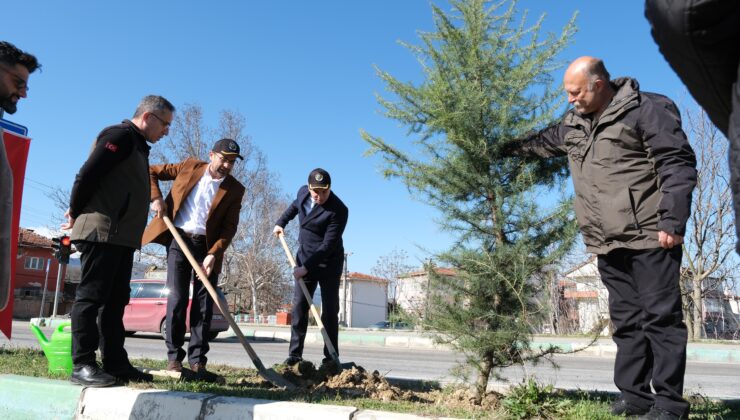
[{"x": 356, "y": 382}]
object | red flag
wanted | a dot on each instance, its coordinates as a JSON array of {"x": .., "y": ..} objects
[{"x": 16, "y": 146}]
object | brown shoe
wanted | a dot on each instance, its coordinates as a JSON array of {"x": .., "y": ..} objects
[
  {"x": 202, "y": 374},
  {"x": 174, "y": 365}
]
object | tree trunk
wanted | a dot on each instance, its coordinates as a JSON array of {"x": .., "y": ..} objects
[
  {"x": 484, "y": 372},
  {"x": 698, "y": 310}
]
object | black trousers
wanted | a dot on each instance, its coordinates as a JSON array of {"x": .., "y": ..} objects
[
  {"x": 328, "y": 279},
  {"x": 179, "y": 276},
  {"x": 699, "y": 39},
  {"x": 645, "y": 308},
  {"x": 102, "y": 296}
]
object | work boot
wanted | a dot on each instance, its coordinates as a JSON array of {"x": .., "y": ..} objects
[
  {"x": 201, "y": 374},
  {"x": 174, "y": 365},
  {"x": 293, "y": 360},
  {"x": 622, "y": 407},
  {"x": 129, "y": 373},
  {"x": 92, "y": 376}
]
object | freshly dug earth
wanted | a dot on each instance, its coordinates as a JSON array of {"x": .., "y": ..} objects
[{"x": 356, "y": 382}]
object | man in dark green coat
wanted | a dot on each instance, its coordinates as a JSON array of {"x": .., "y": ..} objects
[{"x": 633, "y": 173}]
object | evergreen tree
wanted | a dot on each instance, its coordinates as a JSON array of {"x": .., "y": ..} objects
[{"x": 487, "y": 82}]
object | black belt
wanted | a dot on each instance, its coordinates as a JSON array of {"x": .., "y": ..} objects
[{"x": 192, "y": 236}]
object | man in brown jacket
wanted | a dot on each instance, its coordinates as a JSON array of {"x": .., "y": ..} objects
[
  {"x": 204, "y": 204},
  {"x": 633, "y": 173}
]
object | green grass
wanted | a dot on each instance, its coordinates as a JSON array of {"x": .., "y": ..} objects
[{"x": 527, "y": 400}]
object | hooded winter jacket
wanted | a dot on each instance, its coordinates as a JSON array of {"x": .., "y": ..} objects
[{"x": 633, "y": 169}]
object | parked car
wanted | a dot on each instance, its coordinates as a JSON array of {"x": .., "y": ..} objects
[
  {"x": 147, "y": 309},
  {"x": 387, "y": 325}
]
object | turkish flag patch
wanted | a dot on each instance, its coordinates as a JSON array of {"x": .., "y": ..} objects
[{"x": 112, "y": 147}]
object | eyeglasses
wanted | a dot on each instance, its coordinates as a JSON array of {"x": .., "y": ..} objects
[
  {"x": 223, "y": 158},
  {"x": 165, "y": 123},
  {"x": 20, "y": 83}
]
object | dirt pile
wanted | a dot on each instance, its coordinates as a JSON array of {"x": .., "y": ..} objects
[{"x": 354, "y": 382}]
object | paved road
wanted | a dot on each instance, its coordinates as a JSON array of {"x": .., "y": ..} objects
[{"x": 576, "y": 372}]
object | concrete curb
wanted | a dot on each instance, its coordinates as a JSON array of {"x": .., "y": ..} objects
[
  {"x": 23, "y": 397},
  {"x": 700, "y": 352}
]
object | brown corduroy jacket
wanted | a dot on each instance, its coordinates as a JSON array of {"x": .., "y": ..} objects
[{"x": 223, "y": 217}]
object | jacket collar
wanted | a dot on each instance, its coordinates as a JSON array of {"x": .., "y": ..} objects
[{"x": 142, "y": 143}]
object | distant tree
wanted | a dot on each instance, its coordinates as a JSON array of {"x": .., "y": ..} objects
[
  {"x": 392, "y": 266},
  {"x": 487, "y": 82},
  {"x": 709, "y": 244}
]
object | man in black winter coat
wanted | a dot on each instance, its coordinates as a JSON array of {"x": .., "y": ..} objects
[
  {"x": 699, "y": 39},
  {"x": 322, "y": 218}
]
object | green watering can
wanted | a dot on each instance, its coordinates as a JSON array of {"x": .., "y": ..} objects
[{"x": 58, "y": 350}]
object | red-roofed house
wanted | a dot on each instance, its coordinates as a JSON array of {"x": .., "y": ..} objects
[{"x": 34, "y": 253}]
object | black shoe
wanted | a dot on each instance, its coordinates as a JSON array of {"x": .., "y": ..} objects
[
  {"x": 622, "y": 407},
  {"x": 292, "y": 360},
  {"x": 92, "y": 376},
  {"x": 657, "y": 413},
  {"x": 330, "y": 366},
  {"x": 130, "y": 374}
]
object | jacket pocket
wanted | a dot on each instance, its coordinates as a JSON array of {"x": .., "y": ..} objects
[
  {"x": 576, "y": 143},
  {"x": 618, "y": 218},
  {"x": 92, "y": 227}
]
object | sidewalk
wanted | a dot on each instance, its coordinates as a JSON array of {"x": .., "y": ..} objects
[
  {"x": 701, "y": 352},
  {"x": 27, "y": 398}
]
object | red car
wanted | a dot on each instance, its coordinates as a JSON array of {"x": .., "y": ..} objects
[{"x": 147, "y": 309}]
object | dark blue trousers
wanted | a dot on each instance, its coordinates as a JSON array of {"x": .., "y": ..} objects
[{"x": 328, "y": 279}]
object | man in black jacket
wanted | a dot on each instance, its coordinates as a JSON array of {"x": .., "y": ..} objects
[
  {"x": 107, "y": 213},
  {"x": 633, "y": 173},
  {"x": 699, "y": 39},
  {"x": 322, "y": 218}
]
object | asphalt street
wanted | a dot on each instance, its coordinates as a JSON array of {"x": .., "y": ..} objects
[{"x": 717, "y": 380}]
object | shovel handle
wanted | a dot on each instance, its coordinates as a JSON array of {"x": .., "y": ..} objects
[
  {"x": 204, "y": 279},
  {"x": 314, "y": 311}
]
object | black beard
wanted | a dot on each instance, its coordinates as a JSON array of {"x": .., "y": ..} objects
[{"x": 9, "y": 106}]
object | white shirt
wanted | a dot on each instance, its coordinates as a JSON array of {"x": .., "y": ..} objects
[{"x": 194, "y": 211}]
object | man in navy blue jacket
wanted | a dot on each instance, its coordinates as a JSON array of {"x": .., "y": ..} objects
[{"x": 322, "y": 217}]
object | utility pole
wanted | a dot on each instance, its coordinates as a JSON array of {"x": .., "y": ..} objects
[
  {"x": 43, "y": 293},
  {"x": 60, "y": 268},
  {"x": 344, "y": 287}
]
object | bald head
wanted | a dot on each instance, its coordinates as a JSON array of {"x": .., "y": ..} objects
[{"x": 586, "y": 81}]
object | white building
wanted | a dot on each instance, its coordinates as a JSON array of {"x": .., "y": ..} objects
[
  {"x": 363, "y": 300},
  {"x": 412, "y": 290},
  {"x": 583, "y": 284}
]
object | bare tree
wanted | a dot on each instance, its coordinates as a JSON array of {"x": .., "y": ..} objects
[
  {"x": 392, "y": 266},
  {"x": 709, "y": 261}
]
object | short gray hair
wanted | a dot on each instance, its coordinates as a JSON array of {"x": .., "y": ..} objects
[
  {"x": 151, "y": 103},
  {"x": 595, "y": 71}
]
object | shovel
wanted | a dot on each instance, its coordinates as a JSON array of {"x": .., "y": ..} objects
[
  {"x": 314, "y": 311},
  {"x": 268, "y": 374}
]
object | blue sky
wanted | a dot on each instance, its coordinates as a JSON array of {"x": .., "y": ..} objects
[{"x": 301, "y": 72}]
